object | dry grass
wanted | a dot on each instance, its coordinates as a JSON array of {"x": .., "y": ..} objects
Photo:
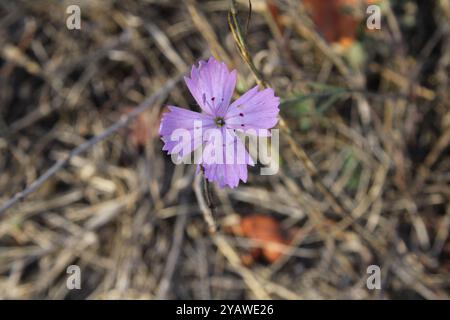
[{"x": 364, "y": 169}]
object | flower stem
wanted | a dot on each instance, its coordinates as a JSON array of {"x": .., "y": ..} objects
[{"x": 205, "y": 200}]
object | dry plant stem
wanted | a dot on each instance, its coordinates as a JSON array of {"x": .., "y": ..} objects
[
  {"x": 206, "y": 30},
  {"x": 123, "y": 122},
  {"x": 240, "y": 42},
  {"x": 208, "y": 195}
]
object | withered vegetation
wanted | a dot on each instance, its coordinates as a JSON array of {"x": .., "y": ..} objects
[{"x": 364, "y": 158}]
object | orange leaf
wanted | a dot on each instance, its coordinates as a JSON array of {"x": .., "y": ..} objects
[{"x": 264, "y": 228}]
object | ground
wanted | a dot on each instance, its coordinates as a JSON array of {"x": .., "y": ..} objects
[{"x": 364, "y": 151}]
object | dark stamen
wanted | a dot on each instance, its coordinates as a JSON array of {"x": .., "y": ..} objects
[{"x": 219, "y": 121}]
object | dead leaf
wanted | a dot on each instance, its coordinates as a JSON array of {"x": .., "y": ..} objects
[
  {"x": 336, "y": 20},
  {"x": 262, "y": 228}
]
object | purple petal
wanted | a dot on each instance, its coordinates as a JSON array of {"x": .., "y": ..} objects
[
  {"x": 212, "y": 86},
  {"x": 226, "y": 174},
  {"x": 254, "y": 110},
  {"x": 234, "y": 167},
  {"x": 179, "y": 118}
]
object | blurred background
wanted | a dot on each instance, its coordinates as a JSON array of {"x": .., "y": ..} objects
[{"x": 368, "y": 106}]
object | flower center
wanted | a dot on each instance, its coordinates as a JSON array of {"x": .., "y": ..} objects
[{"x": 219, "y": 122}]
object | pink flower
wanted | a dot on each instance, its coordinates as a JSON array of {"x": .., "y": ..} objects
[{"x": 212, "y": 86}]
